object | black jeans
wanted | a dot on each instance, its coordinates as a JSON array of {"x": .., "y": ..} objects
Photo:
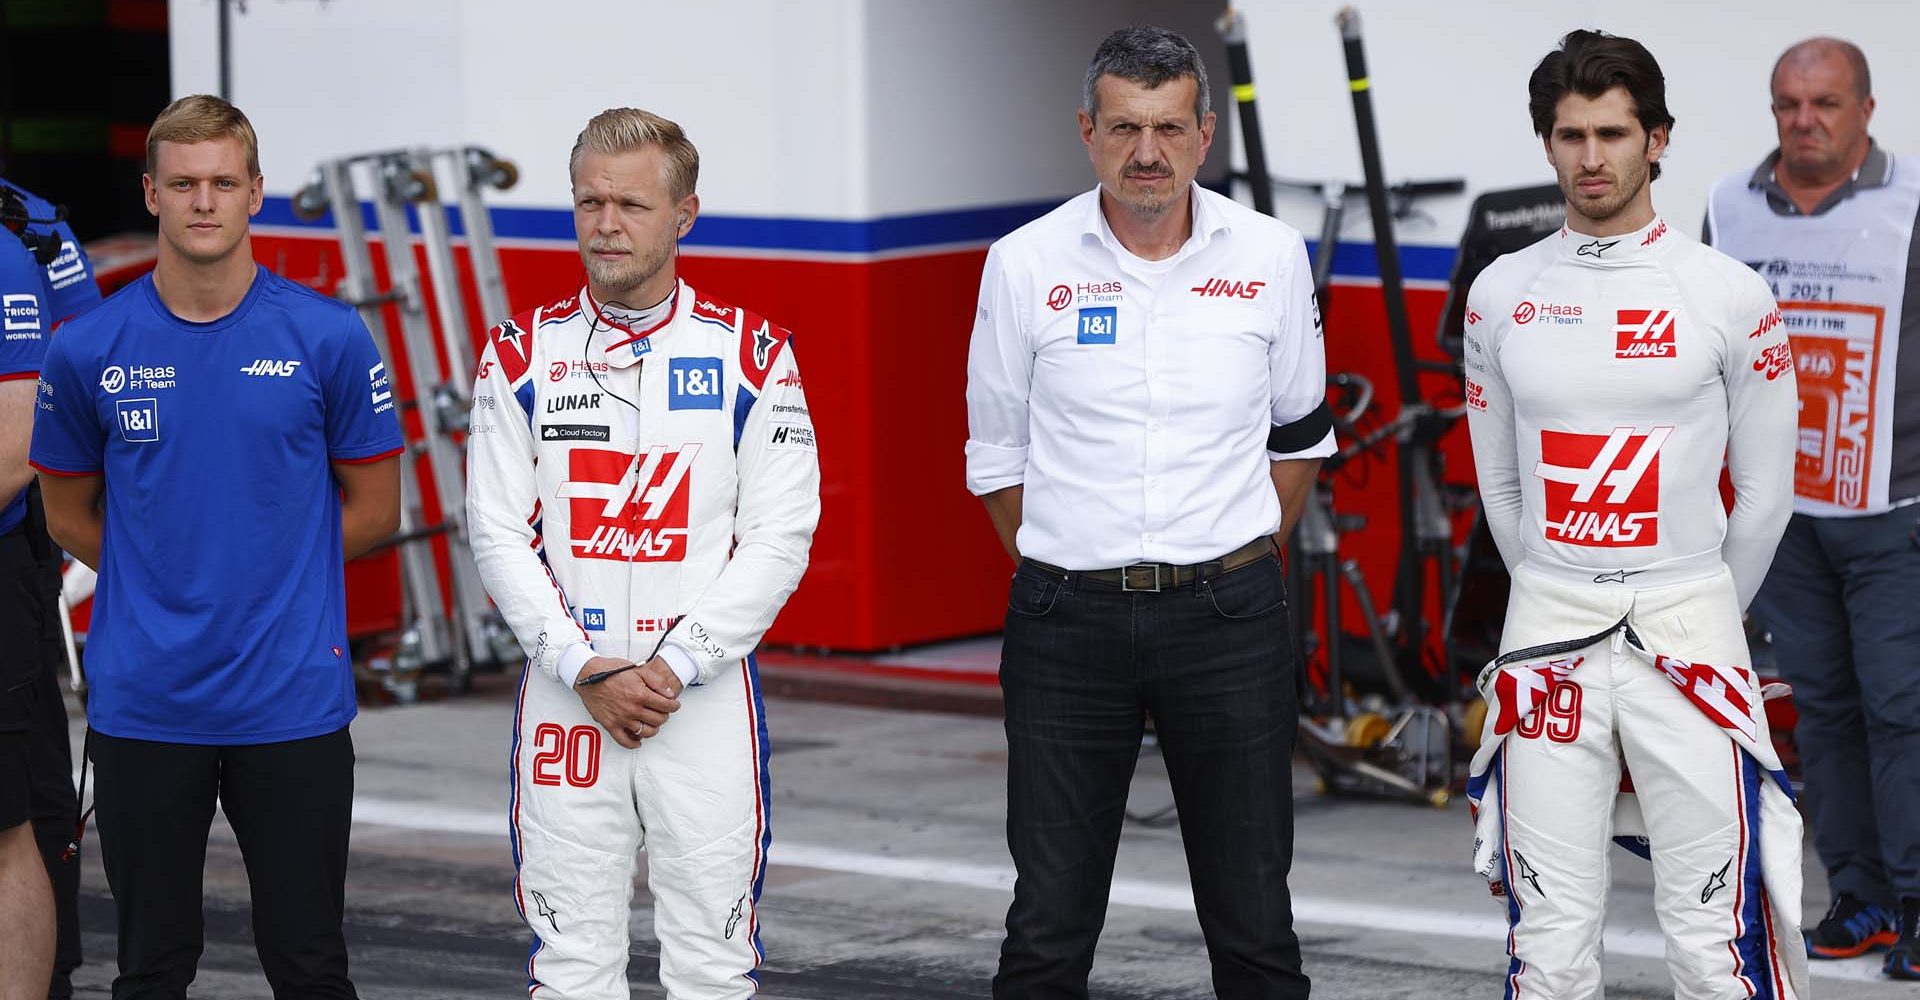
[
  {"x": 1084, "y": 665},
  {"x": 291, "y": 808}
]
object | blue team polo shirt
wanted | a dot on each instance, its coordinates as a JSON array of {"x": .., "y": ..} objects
[
  {"x": 34, "y": 300},
  {"x": 220, "y": 615}
]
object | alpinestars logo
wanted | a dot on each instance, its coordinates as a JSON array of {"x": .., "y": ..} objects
[
  {"x": 284, "y": 369},
  {"x": 1715, "y": 882},
  {"x": 1644, "y": 333},
  {"x": 1602, "y": 490},
  {"x": 626, "y": 510}
]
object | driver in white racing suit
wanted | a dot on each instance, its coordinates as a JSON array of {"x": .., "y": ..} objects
[
  {"x": 643, "y": 488},
  {"x": 1610, "y": 367}
]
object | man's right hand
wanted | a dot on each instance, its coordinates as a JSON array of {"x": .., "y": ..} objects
[{"x": 624, "y": 704}]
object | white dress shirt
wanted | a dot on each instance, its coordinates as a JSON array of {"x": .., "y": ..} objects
[{"x": 1135, "y": 399}]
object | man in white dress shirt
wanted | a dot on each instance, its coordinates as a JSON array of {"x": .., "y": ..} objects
[{"x": 1146, "y": 402}]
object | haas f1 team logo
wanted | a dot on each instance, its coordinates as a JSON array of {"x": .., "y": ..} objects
[
  {"x": 1643, "y": 333},
  {"x": 1602, "y": 490},
  {"x": 629, "y": 508}
]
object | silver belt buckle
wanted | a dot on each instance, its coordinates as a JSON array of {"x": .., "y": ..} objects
[{"x": 1126, "y": 578}]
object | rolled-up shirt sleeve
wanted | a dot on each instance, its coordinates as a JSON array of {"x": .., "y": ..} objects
[
  {"x": 999, "y": 373},
  {"x": 1297, "y": 364}
]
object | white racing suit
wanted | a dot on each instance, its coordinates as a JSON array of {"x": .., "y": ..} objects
[
  {"x": 633, "y": 492},
  {"x": 1606, "y": 378}
]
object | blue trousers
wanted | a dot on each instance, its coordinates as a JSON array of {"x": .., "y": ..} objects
[{"x": 1843, "y": 603}]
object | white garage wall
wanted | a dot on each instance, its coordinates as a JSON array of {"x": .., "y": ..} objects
[
  {"x": 1450, "y": 88},
  {"x": 854, "y": 109}
]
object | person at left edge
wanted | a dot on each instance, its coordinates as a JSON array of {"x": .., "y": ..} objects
[
  {"x": 45, "y": 279},
  {"x": 214, "y": 440}
]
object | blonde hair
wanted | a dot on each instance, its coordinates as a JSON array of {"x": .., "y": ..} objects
[
  {"x": 621, "y": 130},
  {"x": 203, "y": 118}
]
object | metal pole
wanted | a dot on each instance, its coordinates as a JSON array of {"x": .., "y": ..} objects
[
  {"x": 398, "y": 183},
  {"x": 1392, "y": 285},
  {"x": 487, "y": 277},
  {"x": 1409, "y": 578},
  {"x": 456, "y": 338},
  {"x": 1233, "y": 29},
  {"x": 226, "y": 50},
  {"x": 421, "y": 578}
]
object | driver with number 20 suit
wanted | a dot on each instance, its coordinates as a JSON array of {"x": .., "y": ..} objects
[
  {"x": 642, "y": 492},
  {"x": 1610, "y": 367}
]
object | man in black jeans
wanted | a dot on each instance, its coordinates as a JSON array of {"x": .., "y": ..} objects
[
  {"x": 216, "y": 441},
  {"x": 1146, "y": 400}
]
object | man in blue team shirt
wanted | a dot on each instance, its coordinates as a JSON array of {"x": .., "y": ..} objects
[
  {"x": 45, "y": 279},
  {"x": 215, "y": 440}
]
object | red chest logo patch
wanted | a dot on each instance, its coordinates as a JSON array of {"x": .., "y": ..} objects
[
  {"x": 1644, "y": 333},
  {"x": 1602, "y": 490},
  {"x": 626, "y": 510}
]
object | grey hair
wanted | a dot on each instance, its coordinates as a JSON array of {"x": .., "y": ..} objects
[
  {"x": 1819, "y": 48},
  {"x": 1151, "y": 57}
]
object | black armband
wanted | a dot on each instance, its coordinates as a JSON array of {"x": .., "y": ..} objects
[{"x": 1303, "y": 433}]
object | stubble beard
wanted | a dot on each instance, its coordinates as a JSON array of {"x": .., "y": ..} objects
[
  {"x": 618, "y": 280},
  {"x": 1626, "y": 188}
]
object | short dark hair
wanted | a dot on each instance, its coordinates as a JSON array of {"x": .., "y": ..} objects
[
  {"x": 1590, "y": 63},
  {"x": 1150, "y": 57}
]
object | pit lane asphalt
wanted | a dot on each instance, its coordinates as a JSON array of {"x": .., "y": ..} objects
[{"x": 888, "y": 877}]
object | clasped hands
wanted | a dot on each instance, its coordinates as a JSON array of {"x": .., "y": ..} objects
[{"x": 633, "y": 704}]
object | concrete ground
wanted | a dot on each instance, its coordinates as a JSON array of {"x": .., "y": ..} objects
[{"x": 889, "y": 874}]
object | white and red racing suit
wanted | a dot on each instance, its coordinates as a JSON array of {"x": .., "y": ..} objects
[
  {"x": 1606, "y": 380},
  {"x": 633, "y": 492}
]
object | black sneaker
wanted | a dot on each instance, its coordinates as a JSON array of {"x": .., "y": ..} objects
[
  {"x": 1903, "y": 959},
  {"x": 1852, "y": 928}
]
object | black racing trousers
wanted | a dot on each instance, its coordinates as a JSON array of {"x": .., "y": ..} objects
[{"x": 291, "y": 808}]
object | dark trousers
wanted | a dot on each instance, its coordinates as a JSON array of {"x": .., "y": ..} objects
[
  {"x": 33, "y": 668},
  {"x": 1839, "y": 601},
  {"x": 1084, "y": 665},
  {"x": 291, "y": 807},
  {"x": 53, "y": 822}
]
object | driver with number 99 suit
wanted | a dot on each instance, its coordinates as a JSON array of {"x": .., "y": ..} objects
[
  {"x": 1609, "y": 369},
  {"x": 643, "y": 488}
]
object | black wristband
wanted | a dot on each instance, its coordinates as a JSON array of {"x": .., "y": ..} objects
[
  {"x": 604, "y": 674},
  {"x": 1303, "y": 433}
]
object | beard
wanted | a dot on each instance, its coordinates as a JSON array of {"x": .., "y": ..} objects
[
  {"x": 1627, "y": 186},
  {"x": 618, "y": 277},
  {"x": 1141, "y": 202}
]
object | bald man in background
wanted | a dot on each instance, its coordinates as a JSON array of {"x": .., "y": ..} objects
[{"x": 1828, "y": 219}]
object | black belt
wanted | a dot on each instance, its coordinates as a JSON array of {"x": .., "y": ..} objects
[{"x": 1152, "y": 578}]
